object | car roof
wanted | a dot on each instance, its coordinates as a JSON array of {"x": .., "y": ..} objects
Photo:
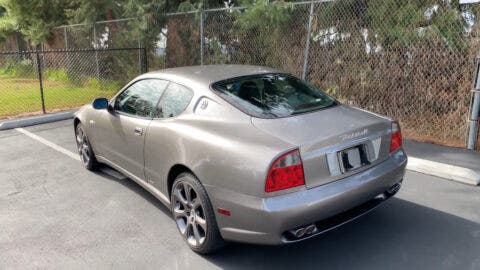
[{"x": 208, "y": 74}]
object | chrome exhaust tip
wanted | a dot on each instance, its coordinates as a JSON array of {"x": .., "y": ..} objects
[
  {"x": 304, "y": 231},
  {"x": 311, "y": 229},
  {"x": 394, "y": 189},
  {"x": 298, "y": 233}
]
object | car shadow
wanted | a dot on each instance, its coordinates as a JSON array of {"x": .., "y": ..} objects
[
  {"x": 397, "y": 235},
  {"x": 133, "y": 186}
]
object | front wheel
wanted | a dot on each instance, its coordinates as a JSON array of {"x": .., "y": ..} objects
[
  {"x": 194, "y": 215},
  {"x": 85, "y": 149}
]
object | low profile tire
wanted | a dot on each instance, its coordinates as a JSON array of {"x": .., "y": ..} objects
[
  {"x": 194, "y": 215},
  {"x": 85, "y": 149}
]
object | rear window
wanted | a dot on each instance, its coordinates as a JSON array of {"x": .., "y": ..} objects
[{"x": 273, "y": 95}]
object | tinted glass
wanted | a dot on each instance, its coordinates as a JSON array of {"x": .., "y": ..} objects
[
  {"x": 141, "y": 98},
  {"x": 273, "y": 95},
  {"x": 174, "y": 100}
]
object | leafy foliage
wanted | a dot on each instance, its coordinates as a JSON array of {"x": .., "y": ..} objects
[
  {"x": 398, "y": 24},
  {"x": 264, "y": 14},
  {"x": 36, "y": 18},
  {"x": 262, "y": 24}
]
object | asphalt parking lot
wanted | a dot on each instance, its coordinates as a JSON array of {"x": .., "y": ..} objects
[{"x": 56, "y": 214}]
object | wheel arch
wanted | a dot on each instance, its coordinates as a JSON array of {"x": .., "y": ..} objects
[
  {"x": 76, "y": 121},
  {"x": 175, "y": 171}
]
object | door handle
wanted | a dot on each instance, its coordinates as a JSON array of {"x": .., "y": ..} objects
[{"x": 138, "y": 131}]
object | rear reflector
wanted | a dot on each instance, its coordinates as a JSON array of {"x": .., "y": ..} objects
[
  {"x": 396, "y": 138},
  {"x": 286, "y": 172},
  {"x": 223, "y": 211}
]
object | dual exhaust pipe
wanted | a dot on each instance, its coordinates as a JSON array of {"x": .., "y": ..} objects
[
  {"x": 389, "y": 192},
  {"x": 304, "y": 231},
  {"x": 311, "y": 229},
  {"x": 394, "y": 189}
]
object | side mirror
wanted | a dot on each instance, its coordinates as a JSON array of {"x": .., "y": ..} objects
[{"x": 100, "y": 103}]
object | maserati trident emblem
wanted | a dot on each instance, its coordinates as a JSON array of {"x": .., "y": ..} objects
[
  {"x": 355, "y": 134},
  {"x": 204, "y": 105}
]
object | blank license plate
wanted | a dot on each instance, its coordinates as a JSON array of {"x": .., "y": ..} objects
[{"x": 353, "y": 158}]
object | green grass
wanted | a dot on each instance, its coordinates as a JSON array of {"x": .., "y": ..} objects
[{"x": 21, "y": 95}]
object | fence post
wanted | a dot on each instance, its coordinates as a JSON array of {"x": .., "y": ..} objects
[
  {"x": 201, "y": 37},
  {"x": 139, "y": 45},
  {"x": 65, "y": 37},
  {"x": 145, "y": 60},
  {"x": 474, "y": 111},
  {"x": 39, "y": 72},
  {"x": 66, "y": 47},
  {"x": 307, "y": 45},
  {"x": 97, "y": 69}
]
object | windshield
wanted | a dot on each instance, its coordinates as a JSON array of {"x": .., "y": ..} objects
[{"x": 273, "y": 95}]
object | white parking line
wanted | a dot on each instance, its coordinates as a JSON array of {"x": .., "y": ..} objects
[
  {"x": 75, "y": 156},
  {"x": 50, "y": 144}
]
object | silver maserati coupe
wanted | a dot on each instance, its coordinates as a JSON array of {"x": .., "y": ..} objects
[{"x": 244, "y": 153}]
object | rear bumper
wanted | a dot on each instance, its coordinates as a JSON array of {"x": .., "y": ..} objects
[{"x": 268, "y": 220}]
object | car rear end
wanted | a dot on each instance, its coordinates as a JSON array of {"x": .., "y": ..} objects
[
  {"x": 345, "y": 175},
  {"x": 342, "y": 163},
  {"x": 309, "y": 191}
]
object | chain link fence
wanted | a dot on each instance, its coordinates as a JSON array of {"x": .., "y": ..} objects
[
  {"x": 410, "y": 60},
  {"x": 35, "y": 82},
  {"x": 411, "y": 64},
  {"x": 119, "y": 33}
]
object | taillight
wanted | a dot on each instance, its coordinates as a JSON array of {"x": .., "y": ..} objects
[
  {"x": 396, "y": 138},
  {"x": 285, "y": 172}
]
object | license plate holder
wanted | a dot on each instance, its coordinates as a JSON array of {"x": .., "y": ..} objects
[{"x": 353, "y": 158}]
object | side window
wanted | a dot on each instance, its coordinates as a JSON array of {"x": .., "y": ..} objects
[
  {"x": 141, "y": 98},
  {"x": 174, "y": 101}
]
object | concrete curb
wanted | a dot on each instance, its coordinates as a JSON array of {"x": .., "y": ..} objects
[
  {"x": 447, "y": 171},
  {"x": 36, "y": 120}
]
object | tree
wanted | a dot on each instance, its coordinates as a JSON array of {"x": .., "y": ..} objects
[
  {"x": 36, "y": 18},
  {"x": 7, "y": 23}
]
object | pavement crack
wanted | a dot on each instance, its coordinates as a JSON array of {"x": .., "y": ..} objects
[
  {"x": 14, "y": 193},
  {"x": 46, "y": 191}
]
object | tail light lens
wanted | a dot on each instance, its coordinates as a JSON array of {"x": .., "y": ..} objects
[
  {"x": 286, "y": 172},
  {"x": 396, "y": 139}
]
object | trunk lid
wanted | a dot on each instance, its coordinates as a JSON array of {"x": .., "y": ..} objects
[{"x": 322, "y": 136}]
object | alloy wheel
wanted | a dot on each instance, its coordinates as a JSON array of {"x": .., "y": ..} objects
[
  {"x": 83, "y": 146},
  {"x": 189, "y": 214}
]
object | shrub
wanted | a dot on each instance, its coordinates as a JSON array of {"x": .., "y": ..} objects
[
  {"x": 56, "y": 75},
  {"x": 19, "y": 68}
]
